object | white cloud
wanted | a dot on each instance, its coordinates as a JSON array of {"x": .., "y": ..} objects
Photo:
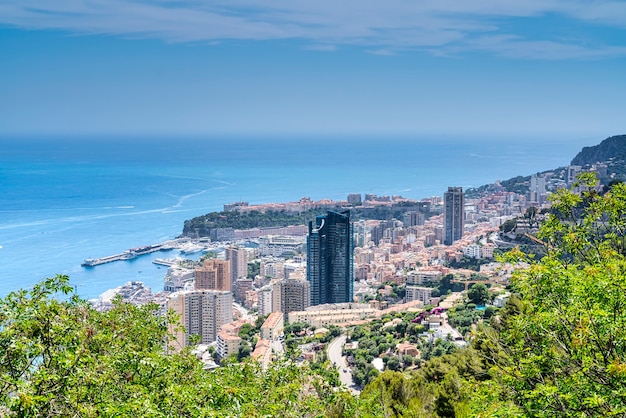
[{"x": 441, "y": 27}]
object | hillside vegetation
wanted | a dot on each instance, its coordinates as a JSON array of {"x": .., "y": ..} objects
[{"x": 612, "y": 148}]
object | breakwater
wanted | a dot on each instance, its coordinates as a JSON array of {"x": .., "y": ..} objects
[{"x": 131, "y": 253}]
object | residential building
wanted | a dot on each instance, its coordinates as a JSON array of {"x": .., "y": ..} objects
[
  {"x": 295, "y": 295},
  {"x": 242, "y": 287},
  {"x": 537, "y": 184},
  {"x": 454, "y": 214},
  {"x": 329, "y": 259},
  {"x": 571, "y": 172},
  {"x": 472, "y": 251},
  {"x": 273, "y": 268},
  {"x": 263, "y": 353},
  {"x": 421, "y": 277},
  {"x": 487, "y": 250},
  {"x": 201, "y": 312},
  {"x": 335, "y": 314},
  {"x": 227, "y": 344},
  {"x": 420, "y": 293},
  {"x": 238, "y": 258},
  {"x": 265, "y": 300},
  {"x": 213, "y": 275},
  {"x": 413, "y": 218},
  {"x": 272, "y": 328}
]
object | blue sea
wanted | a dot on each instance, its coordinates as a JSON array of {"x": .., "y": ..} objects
[{"x": 64, "y": 200}]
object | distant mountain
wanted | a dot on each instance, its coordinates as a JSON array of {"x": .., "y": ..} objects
[{"x": 609, "y": 150}]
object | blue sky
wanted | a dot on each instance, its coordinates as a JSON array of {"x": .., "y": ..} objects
[{"x": 238, "y": 67}]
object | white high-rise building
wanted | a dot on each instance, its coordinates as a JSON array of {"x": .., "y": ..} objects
[
  {"x": 537, "y": 184},
  {"x": 472, "y": 251},
  {"x": 419, "y": 293},
  {"x": 201, "y": 312}
]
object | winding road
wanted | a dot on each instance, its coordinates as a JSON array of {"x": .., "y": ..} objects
[{"x": 339, "y": 361}]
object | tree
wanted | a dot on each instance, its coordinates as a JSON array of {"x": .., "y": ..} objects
[
  {"x": 478, "y": 293},
  {"x": 254, "y": 269},
  {"x": 531, "y": 214},
  {"x": 393, "y": 363},
  {"x": 246, "y": 331},
  {"x": 508, "y": 225},
  {"x": 60, "y": 357},
  {"x": 559, "y": 347},
  {"x": 244, "y": 350}
]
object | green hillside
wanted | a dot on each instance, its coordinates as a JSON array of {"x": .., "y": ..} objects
[{"x": 611, "y": 149}]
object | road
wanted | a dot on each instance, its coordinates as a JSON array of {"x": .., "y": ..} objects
[
  {"x": 245, "y": 314},
  {"x": 336, "y": 359}
]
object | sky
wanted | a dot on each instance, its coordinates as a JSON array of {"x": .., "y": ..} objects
[{"x": 267, "y": 67}]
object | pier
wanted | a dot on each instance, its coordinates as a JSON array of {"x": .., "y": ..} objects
[
  {"x": 164, "y": 262},
  {"x": 130, "y": 254}
]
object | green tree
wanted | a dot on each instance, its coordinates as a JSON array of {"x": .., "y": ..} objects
[
  {"x": 244, "y": 350},
  {"x": 60, "y": 357},
  {"x": 246, "y": 331},
  {"x": 508, "y": 225},
  {"x": 254, "y": 269},
  {"x": 478, "y": 294},
  {"x": 559, "y": 347},
  {"x": 393, "y": 363}
]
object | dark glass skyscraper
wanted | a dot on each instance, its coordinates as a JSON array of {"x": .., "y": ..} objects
[
  {"x": 453, "y": 214},
  {"x": 329, "y": 259}
]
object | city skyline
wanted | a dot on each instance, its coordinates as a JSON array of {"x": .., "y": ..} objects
[{"x": 237, "y": 68}]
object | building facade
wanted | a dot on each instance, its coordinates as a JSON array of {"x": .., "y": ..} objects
[
  {"x": 227, "y": 344},
  {"x": 272, "y": 328},
  {"x": 202, "y": 313},
  {"x": 453, "y": 214},
  {"x": 213, "y": 275},
  {"x": 329, "y": 259},
  {"x": 423, "y": 294},
  {"x": 238, "y": 258},
  {"x": 278, "y": 245},
  {"x": 295, "y": 295},
  {"x": 421, "y": 277}
]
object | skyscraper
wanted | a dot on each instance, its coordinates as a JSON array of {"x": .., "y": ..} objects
[
  {"x": 453, "y": 214},
  {"x": 329, "y": 259}
]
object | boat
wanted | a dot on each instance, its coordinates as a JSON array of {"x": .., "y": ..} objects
[{"x": 191, "y": 249}]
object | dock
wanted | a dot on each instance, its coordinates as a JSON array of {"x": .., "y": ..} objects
[
  {"x": 165, "y": 262},
  {"x": 129, "y": 254}
]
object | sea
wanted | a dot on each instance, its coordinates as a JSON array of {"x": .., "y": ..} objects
[{"x": 63, "y": 200}]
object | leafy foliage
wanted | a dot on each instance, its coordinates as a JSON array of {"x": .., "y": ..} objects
[
  {"x": 560, "y": 348},
  {"x": 60, "y": 357},
  {"x": 478, "y": 293}
]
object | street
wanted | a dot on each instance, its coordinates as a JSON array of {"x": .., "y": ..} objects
[{"x": 336, "y": 359}]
